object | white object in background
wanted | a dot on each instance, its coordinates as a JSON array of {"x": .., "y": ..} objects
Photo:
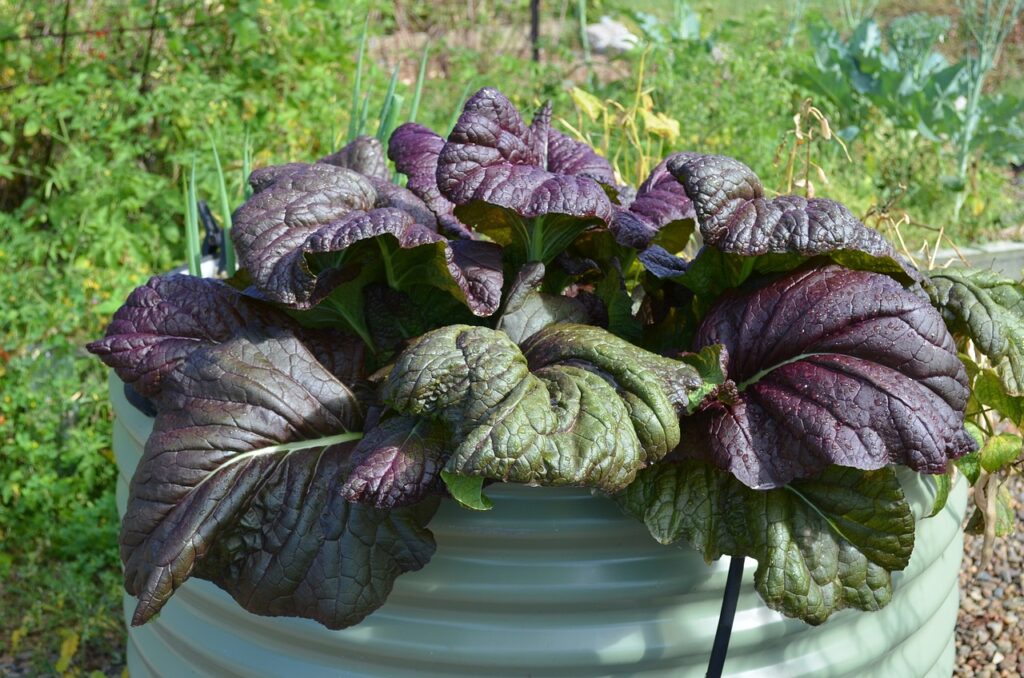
[{"x": 609, "y": 35}]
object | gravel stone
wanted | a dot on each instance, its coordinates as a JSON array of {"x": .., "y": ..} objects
[{"x": 989, "y": 633}]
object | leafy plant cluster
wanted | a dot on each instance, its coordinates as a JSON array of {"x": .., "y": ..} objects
[
  {"x": 892, "y": 168},
  {"x": 93, "y": 152},
  {"x": 913, "y": 84},
  {"x": 899, "y": 72},
  {"x": 515, "y": 314}
]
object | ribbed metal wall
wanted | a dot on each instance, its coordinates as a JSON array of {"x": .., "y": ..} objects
[{"x": 555, "y": 582}]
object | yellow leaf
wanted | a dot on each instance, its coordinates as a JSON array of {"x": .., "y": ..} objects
[
  {"x": 660, "y": 125},
  {"x": 68, "y": 648},
  {"x": 587, "y": 102},
  {"x": 16, "y": 636},
  {"x": 826, "y": 131},
  {"x": 821, "y": 175}
]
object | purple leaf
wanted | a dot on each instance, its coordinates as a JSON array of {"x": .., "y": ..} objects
[
  {"x": 398, "y": 463},
  {"x": 414, "y": 150},
  {"x": 240, "y": 485},
  {"x": 293, "y": 235},
  {"x": 659, "y": 202},
  {"x": 170, "y": 316},
  {"x": 830, "y": 366},
  {"x": 735, "y": 217},
  {"x": 363, "y": 155},
  {"x": 491, "y": 156},
  {"x": 568, "y": 156},
  {"x": 661, "y": 263}
]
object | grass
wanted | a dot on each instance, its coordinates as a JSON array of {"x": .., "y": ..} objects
[{"x": 97, "y": 183}]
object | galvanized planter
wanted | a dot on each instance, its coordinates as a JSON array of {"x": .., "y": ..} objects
[{"x": 556, "y": 582}]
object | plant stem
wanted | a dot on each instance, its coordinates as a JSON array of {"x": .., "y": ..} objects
[
  {"x": 230, "y": 265},
  {"x": 581, "y": 15},
  {"x": 419, "y": 83},
  {"x": 354, "y": 127},
  {"x": 989, "y": 27}
]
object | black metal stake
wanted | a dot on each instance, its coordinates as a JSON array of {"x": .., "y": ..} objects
[
  {"x": 535, "y": 30},
  {"x": 726, "y": 617}
]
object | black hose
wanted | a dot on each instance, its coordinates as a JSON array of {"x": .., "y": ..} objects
[{"x": 726, "y": 617}]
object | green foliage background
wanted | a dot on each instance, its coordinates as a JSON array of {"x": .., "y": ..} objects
[{"x": 96, "y": 128}]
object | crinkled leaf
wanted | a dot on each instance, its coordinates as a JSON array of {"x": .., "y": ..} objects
[
  {"x": 528, "y": 310},
  {"x": 239, "y": 484},
  {"x": 291, "y": 203},
  {"x": 830, "y": 366},
  {"x": 989, "y": 309},
  {"x": 414, "y": 150},
  {"x": 493, "y": 157},
  {"x": 514, "y": 182},
  {"x": 400, "y": 198},
  {"x": 821, "y": 544},
  {"x": 783, "y": 232},
  {"x": 296, "y": 236},
  {"x": 575, "y": 406},
  {"x": 396, "y": 463},
  {"x": 569, "y": 156},
  {"x": 363, "y": 154},
  {"x": 468, "y": 491},
  {"x": 660, "y": 208},
  {"x": 481, "y": 277},
  {"x": 735, "y": 216},
  {"x": 170, "y": 316},
  {"x": 999, "y": 451}
]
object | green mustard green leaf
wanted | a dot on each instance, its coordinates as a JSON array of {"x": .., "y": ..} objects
[
  {"x": 576, "y": 405},
  {"x": 821, "y": 544},
  {"x": 528, "y": 310},
  {"x": 990, "y": 392},
  {"x": 943, "y": 484},
  {"x": 467, "y": 490},
  {"x": 999, "y": 451},
  {"x": 989, "y": 309},
  {"x": 621, "y": 321},
  {"x": 970, "y": 466},
  {"x": 710, "y": 363}
]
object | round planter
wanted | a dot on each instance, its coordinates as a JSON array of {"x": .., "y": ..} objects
[{"x": 557, "y": 582}]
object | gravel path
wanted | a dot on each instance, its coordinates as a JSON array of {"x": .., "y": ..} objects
[{"x": 989, "y": 628}]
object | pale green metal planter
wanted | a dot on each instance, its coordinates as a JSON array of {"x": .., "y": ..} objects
[{"x": 556, "y": 582}]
